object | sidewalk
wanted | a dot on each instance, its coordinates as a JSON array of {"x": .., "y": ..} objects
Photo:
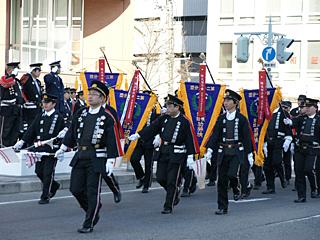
[{"x": 12, "y": 184}]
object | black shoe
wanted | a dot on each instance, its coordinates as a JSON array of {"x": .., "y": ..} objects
[
  {"x": 145, "y": 190},
  {"x": 221, "y": 212},
  {"x": 193, "y": 188},
  {"x": 211, "y": 183},
  {"x": 166, "y": 211},
  {"x": 117, "y": 197},
  {"x": 185, "y": 193},
  {"x": 85, "y": 230},
  {"x": 269, "y": 191},
  {"x": 140, "y": 183},
  {"x": 300, "y": 200},
  {"x": 314, "y": 194},
  {"x": 54, "y": 190},
  {"x": 176, "y": 200},
  {"x": 43, "y": 201},
  {"x": 247, "y": 193},
  {"x": 236, "y": 197},
  {"x": 294, "y": 189}
]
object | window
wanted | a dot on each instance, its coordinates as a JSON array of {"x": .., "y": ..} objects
[
  {"x": 314, "y": 11},
  {"x": 313, "y": 55},
  {"x": 193, "y": 26},
  {"x": 226, "y": 11},
  {"x": 60, "y": 12},
  {"x": 225, "y": 55},
  {"x": 273, "y": 8},
  {"x": 294, "y": 10},
  {"x": 246, "y": 11}
]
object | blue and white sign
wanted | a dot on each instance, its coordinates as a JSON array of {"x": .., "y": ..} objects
[{"x": 268, "y": 54}]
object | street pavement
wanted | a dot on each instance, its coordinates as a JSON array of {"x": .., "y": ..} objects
[{"x": 138, "y": 217}]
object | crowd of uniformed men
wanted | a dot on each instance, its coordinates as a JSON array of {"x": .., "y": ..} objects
[{"x": 55, "y": 119}]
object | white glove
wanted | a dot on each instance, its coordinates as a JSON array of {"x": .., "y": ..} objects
[
  {"x": 208, "y": 154},
  {"x": 287, "y": 121},
  {"x": 292, "y": 148},
  {"x": 60, "y": 153},
  {"x": 62, "y": 133},
  {"x": 15, "y": 71},
  {"x": 265, "y": 149},
  {"x": 190, "y": 162},
  {"x": 18, "y": 145},
  {"x": 157, "y": 141},
  {"x": 250, "y": 159},
  {"x": 109, "y": 166},
  {"x": 163, "y": 110},
  {"x": 134, "y": 137},
  {"x": 287, "y": 143}
]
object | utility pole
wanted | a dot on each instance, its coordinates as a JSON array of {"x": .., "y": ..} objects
[{"x": 169, "y": 44}]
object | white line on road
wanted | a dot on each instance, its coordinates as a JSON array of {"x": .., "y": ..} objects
[
  {"x": 250, "y": 200},
  {"x": 70, "y": 196},
  {"x": 294, "y": 220}
]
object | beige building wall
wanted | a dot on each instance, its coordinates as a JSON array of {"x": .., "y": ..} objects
[{"x": 108, "y": 24}]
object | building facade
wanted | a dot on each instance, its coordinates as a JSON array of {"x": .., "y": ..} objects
[{"x": 297, "y": 19}]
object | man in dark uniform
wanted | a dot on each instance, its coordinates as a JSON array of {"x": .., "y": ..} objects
[
  {"x": 178, "y": 140},
  {"x": 31, "y": 89},
  {"x": 67, "y": 114},
  {"x": 295, "y": 112},
  {"x": 94, "y": 133},
  {"x": 231, "y": 136},
  {"x": 144, "y": 148},
  {"x": 46, "y": 126},
  {"x": 277, "y": 141},
  {"x": 54, "y": 85},
  {"x": 286, "y": 106},
  {"x": 10, "y": 106},
  {"x": 73, "y": 98},
  {"x": 80, "y": 103},
  {"x": 307, "y": 148}
]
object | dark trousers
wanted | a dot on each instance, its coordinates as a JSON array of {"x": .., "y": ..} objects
[
  {"x": 272, "y": 164},
  {"x": 45, "y": 172},
  {"x": 111, "y": 182},
  {"x": 85, "y": 186},
  {"x": 244, "y": 176},
  {"x": 258, "y": 175},
  {"x": 138, "y": 152},
  {"x": 287, "y": 164},
  {"x": 212, "y": 170},
  {"x": 168, "y": 176},
  {"x": 227, "y": 173},
  {"x": 9, "y": 130},
  {"x": 190, "y": 180},
  {"x": 303, "y": 166},
  {"x": 317, "y": 171}
]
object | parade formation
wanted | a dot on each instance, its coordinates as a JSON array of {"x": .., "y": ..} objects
[{"x": 229, "y": 132}]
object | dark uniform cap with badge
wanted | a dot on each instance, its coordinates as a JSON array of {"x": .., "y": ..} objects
[
  {"x": 302, "y": 97},
  {"x": 229, "y": 94},
  {"x": 49, "y": 98},
  {"x": 100, "y": 87},
  {"x": 80, "y": 93},
  {"x": 287, "y": 104},
  {"x": 35, "y": 66},
  {"x": 72, "y": 90},
  {"x": 174, "y": 100},
  {"x": 56, "y": 63},
  {"x": 311, "y": 102},
  {"x": 66, "y": 90},
  {"x": 13, "y": 64}
]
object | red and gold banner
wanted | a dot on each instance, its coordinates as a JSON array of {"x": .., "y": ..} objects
[
  {"x": 101, "y": 70},
  {"x": 263, "y": 107},
  {"x": 133, "y": 96},
  {"x": 202, "y": 91}
]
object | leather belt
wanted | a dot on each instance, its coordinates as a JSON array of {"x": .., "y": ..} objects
[
  {"x": 230, "y": 145},
  {"x": 87, "y": 148}
]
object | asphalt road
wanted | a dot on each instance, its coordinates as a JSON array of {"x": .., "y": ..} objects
[{"x": 138, "y": 217}]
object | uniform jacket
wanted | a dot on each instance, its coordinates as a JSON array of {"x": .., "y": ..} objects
[{"x": 54, "y": 86}]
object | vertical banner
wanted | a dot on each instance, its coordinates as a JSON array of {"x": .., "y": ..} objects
[
  {"x": 249, "y": 106},
  {"x": 132, "y": 98},
  {"x": 189, "y": 94},
  {"x": 142, "y": 109},
  {"x": 101, "y": 70},
  {"x": 202, "y": 91},
  {"x": 263, "y": 107}
]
